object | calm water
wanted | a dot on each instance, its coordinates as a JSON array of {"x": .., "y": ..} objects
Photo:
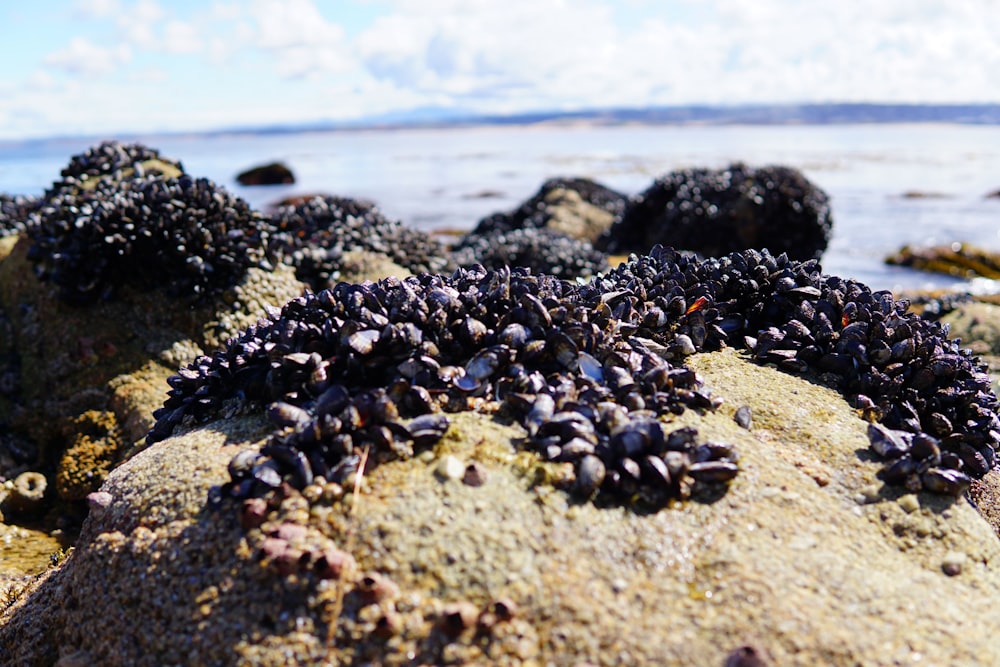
[{"x": 449, "y": 179}]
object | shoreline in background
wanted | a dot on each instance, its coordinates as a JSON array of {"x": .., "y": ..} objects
[{"x": 686, "y": 115}]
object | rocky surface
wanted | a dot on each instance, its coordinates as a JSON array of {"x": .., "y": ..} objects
[
  {"x": 94, "y": 317},
  {"x": 86, "y": 380},
  {"x": 806, "y": 559},
  {"x": 355, "y": 524}
]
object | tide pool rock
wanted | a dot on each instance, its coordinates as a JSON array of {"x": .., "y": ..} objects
[{"x": 806, "y": 558}]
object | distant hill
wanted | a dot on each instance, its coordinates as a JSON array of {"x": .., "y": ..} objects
[{"x": 758, "y": 114}]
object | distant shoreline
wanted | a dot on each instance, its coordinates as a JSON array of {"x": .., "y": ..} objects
[{"x": 690, "y": 115}]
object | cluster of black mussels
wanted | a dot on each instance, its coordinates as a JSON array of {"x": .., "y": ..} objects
[
  {"x": 14, "y": 210},
  {"x": 122, "y": 215},
  {"x": 587, "y": 369},
  {"x": 378, "y": 364},
  {"x": 717, "y": 211},
  {"x": 538, "y": 249},
  {"x": 314, "y": 235},
  {"x": 937, "y": 414}
]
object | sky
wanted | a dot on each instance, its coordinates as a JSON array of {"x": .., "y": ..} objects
[{"x": 93, "y": 67}]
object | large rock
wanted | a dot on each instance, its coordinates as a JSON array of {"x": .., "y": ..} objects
[
  {"x": 577, "y": 207},
  {"x": 714, "y": 212},
  {"x": 128, "y": 269},
  {"x": 807, "y": 559}
]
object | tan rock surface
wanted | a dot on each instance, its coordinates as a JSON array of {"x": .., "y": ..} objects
[
  {"x": 573, "y": 216},
  {"x": 111, "y": 357},
  {"x": 806, "y": 558}
]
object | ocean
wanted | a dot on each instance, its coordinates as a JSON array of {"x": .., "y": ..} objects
[{"x": 890, "y": 184}]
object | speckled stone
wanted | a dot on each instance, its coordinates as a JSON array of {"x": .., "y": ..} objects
[{"x": 786, "y": 561}]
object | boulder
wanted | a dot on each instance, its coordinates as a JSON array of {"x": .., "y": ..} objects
[
  {"x": 807, "y": 558},
  {"x": 714, "y": 212},
  {"x": 577, "y": 207},
  {"x": 275, "y": 173},
  {"x": 128, "y": 269}
]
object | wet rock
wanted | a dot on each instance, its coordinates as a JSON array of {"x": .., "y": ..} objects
[
  {"x": 274, "y": 173},
  {"x": 753, "y": 566},
  {"x": 576, "y": 207},
  {"x": 714, "y": 212}
]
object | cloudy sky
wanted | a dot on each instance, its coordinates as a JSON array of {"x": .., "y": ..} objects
[{"x": 95, "y": 67}]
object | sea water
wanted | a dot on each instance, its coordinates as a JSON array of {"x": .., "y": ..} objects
[{"x": 890, "y": 185}]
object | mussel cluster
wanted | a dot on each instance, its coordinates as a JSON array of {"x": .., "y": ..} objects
[
  {"x": 314, "y": 234},
  {"x": 14, "y": 212},
  {"x": 900, "y": 369},
  {"x": 186, "y": 234},
  {"x": 122, "y": 215},
  {"x": 377, "y": 364},
  {"x": 541, "y": 250},
  {"x": 109, "y": 159},
  {"x": 715, "y": 212},
  {"x": 588, "y": 370}
]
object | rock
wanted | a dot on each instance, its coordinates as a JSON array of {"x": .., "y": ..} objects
[
  {"x": 976, "y": 323},
  {"x": 577, "y": 207},
  {"x": 275, "y": 173},
  {"x": 714, "y": 212},
  {"x": 95, "y": 444},
  {"x": 779, "y": 565},
  {"x": 114, "y": 307},
  {"x": 110, "y": 358},
  {"x": 956, "y": 259},
  {"x": 358, "y": 266}
]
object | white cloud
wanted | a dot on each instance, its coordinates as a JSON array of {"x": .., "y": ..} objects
[
  {"x": 510, "y": 55},
  {"x": 138, "y": 23},
  {"x": 87, "y": 59},
  {"x": 89, "y": 9},
  {"x": 181, "y": 37},
  {"x": 293, "y": 34}
]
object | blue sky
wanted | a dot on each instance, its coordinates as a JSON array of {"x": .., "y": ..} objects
[{"x": 115, "y": 66}]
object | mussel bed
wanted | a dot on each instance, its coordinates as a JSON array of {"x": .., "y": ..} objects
[{"x": 588, "y": 370}]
